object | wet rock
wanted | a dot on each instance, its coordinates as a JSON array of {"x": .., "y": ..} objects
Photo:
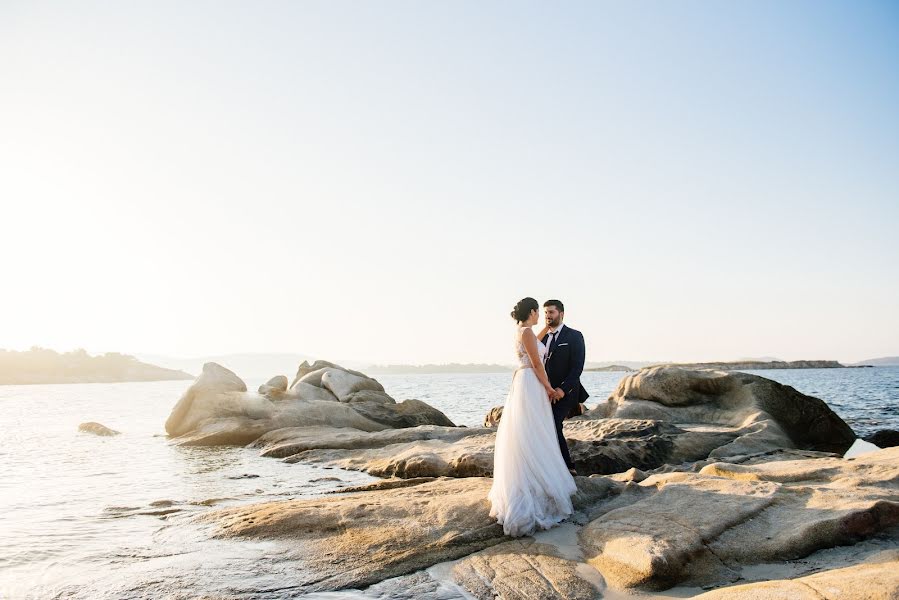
[
  {"x": 701, "y": 528},
  {"x": 97, "y": 429}
]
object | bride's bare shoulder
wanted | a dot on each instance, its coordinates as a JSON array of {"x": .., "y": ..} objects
[{"x": 525, "y": 332}]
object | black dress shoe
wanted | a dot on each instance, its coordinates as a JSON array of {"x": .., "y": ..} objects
[{"x": 573, "y": 472}]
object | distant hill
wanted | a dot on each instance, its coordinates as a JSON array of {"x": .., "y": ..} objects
[
  {"x": 886, "y": 361},
  {"x": 247, "y": 365},
  {"x": 450, "y": 368},
  {"x": 760, "y": 365},
  {"x": 39, "y": 365},
  {"x": 636, "y": 365},
  {"x": 611, "y": 368}
]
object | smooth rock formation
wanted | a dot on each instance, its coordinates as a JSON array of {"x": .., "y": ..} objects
[
  {"x": 342, "y": 383},
  {"x": 218, "y": 410},
  {"x": 275, "y": 386},
  {"x": 885, "y": 438},
  {"x": 312, "y": 374},
  {"x": 97, "y": 429},
  {"x": 360, "y": 538},
  {"x": 702, "y": 528},
  {"x": 767, "y": 413}
]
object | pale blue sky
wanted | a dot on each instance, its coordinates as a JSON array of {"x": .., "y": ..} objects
[{"x": 383, "y": 181}]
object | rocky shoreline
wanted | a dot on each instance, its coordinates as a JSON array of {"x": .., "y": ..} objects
[{"x": 726, "y": 483}]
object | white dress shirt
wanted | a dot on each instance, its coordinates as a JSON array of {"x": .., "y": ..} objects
[{"x": 549, "y": 340}]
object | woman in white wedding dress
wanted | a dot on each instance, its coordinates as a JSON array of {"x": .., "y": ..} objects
[{"x": 532, "y": 487}]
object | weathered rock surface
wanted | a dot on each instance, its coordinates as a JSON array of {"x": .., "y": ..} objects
[
  {"x": 97, "y": 429},
  {"x": 294, "y": 440},
  {"x": 468, "y": 456},
  {"x": 872, "y": 581},
  {"x": 523, "y": 570},
  {"x": 700, "y": 528},
  {"x": 356, "y": 539},
  {"x": 768, "y": 413},
  {"x": 218, "y": 410},
  {"x": 493, "y": 416},
  {"x": 597, "y": 446}
]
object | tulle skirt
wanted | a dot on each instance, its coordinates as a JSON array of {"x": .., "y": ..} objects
[{"x": 532, "y": 487}]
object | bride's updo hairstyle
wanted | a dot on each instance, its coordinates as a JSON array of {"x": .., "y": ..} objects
[{"x": 523, "y": 309}]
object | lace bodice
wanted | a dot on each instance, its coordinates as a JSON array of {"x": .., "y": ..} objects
[{"x": 524, "y": 360}]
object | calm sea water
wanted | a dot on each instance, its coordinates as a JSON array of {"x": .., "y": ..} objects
[{"x": 89, "y": 517}]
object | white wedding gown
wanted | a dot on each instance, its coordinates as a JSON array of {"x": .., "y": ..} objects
[{"x": 532, "y": 487}]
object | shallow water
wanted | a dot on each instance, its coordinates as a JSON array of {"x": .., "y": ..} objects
[{"x": 83, "y": 516}]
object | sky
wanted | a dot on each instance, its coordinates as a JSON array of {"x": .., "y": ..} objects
[{"x": 384, "y": 181}]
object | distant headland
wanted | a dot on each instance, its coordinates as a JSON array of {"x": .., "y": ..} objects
[
  {"x": 757, "y": 365},
  {"x": 431, "y": 368},
  {"x": 40, "y": 365}
]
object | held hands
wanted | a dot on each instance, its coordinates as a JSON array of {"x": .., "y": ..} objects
[{"x": 555, "y": 394}]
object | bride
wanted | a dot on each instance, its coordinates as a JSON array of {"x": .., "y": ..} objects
[{"x": 531, "y": 485}]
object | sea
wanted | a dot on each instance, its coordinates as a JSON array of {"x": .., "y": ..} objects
[{"x": 90, "y": 517}]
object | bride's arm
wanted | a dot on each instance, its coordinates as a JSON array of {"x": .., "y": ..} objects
[
  {"x": 530, "y": 345},
  {"x": 543, "y": 332}
]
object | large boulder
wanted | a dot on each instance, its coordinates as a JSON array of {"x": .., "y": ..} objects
[
  {"x": 768, "y": 413},
  {"x": 216, "y": 392},
  {"x": 218, "y": 410},
  {"x": 885, "y": 438},
  {"x": 703, "y": 528}
]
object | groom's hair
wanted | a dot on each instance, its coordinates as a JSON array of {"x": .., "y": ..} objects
[{"x": 557, "y": 303}]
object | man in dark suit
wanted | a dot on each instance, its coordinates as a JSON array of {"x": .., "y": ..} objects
[{"x": 565, "y": 355}]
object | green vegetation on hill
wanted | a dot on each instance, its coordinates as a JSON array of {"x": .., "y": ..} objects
[{"x": 40, "y": 365}]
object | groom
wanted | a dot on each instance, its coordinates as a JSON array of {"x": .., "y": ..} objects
[{"x": 565, "y": 354}]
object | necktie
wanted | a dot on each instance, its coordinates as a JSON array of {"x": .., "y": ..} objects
[{"x": 549, "y": 350}]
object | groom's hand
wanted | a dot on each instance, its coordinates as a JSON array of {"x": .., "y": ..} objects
[{"x": 558, "y": 395}]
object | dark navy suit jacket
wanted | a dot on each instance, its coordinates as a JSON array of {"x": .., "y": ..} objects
[{"x": 566, "y": 363}]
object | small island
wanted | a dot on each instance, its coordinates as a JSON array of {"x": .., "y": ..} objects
[
  {"x": 40, "y": 365},
  {"x": 611, "y": 368}
]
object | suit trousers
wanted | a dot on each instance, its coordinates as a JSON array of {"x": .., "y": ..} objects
[{"x": 560, "y": 411}]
